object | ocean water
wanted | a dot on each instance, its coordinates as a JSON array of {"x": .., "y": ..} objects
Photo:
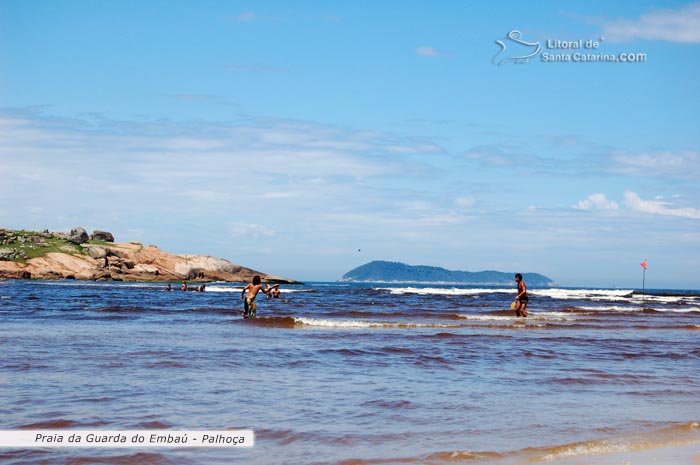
[{"x": 337, "y": 373}]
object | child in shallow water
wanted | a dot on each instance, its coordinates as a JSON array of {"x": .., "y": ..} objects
[{"x": 249, "y": 307}]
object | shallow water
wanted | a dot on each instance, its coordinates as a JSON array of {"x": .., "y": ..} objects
[{"x": 355, "y": 374}]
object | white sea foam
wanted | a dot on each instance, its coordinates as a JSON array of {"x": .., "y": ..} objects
[
  {"x": 316, "y": 322},
  {"x": 487, "y": 317},
  {"x": 669, "y": 439},
  {"x": 441, "y": 290},
  {"x": 589, "y": 294},
  {"x": 223, "y": 289},
  {"x": 611, "y": 308},
  {"x": 619, "y": 295},
  {"x": 555, "y": 293},
  {"x": 240, "y": 289},
  {"x": 587, "y": 449},
  {"x": 678, "y": 310},
  {"x": 552, "y": 316},
  {"x": 637, "y": 307},
  {"x": 664, "y": 299}
]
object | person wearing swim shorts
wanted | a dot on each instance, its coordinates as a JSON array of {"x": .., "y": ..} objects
[
  {"x": 252, "y": 289},
  {"x": 521, "y": 299}
]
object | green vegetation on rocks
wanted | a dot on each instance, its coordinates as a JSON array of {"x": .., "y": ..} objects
[
  {"x": 96, "y": 257},
  {"x": 20, "y": 246}
]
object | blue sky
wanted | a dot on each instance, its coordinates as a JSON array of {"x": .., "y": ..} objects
[{"x": 306, "y": 138}]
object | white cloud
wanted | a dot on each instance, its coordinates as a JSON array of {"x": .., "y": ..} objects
[
  {"x": 466, "y": 202},
  {"x": 493, "y": 154},
  {"x": 427, "y": 51},
  {"x": 416, "y": 206},
  {"x": 592, "y": 160},
  {"x": 161, "y": 151},
  {"x": 442, "y": 219},
  {"x": 680, "y": 25},
  {"x": 250, "y": 229},
  {"x": 246, "y": 17},
  {"x": 204, "y": 195},
  {"x": 151, "y": 172},
  {"x": 597, "y": 202},
  {"x": 681, "y": 164},
  {"x": 277, "y": 195},
  {"x": 659, "y": 207}
]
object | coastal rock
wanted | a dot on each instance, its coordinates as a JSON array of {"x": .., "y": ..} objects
[
  {"x": 78, "y": 235},
  {"x": 56, "y": 265},
  {"x": 115, "y": 261},
  {"x": 71, "y": 256},
  {"x": 120, "y": 261},
  {"x": 102, "y": 276},
  {"x": 7, "y": 254},
  {"x": 95, "y": 251},
  {"x": 103, "y": 236},
  {"x": 148, "y": 269},
  {"x": 120, "y": 252},
  {"x": 12, "y": 254}
]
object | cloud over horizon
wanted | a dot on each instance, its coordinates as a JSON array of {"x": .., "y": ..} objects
[
  {"x": 679, "y": 164},
  {"x": 245, "y": 17},
  {"x": 259, "y": 185},
  {"x": 659, "y": 207},
  {"x": 428, "y": 51},
  {"x": 671, "y": 25},
  {"x": 255, "y": 163},
  {"x": 597, "y": 202}
]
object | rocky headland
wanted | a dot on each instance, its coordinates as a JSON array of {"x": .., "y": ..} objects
[{"x": 97, "y": 257}]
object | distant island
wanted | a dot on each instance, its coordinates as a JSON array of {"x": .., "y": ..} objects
[
  {"x": 383, "y": 271},
  {"x": 97, "y": 257}
]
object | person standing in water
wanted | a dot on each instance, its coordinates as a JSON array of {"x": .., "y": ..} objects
[
  {"x": 522, "y": 298},
  {"x": 249, "y": 307},
  {"x": 273, "y": 291}
]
